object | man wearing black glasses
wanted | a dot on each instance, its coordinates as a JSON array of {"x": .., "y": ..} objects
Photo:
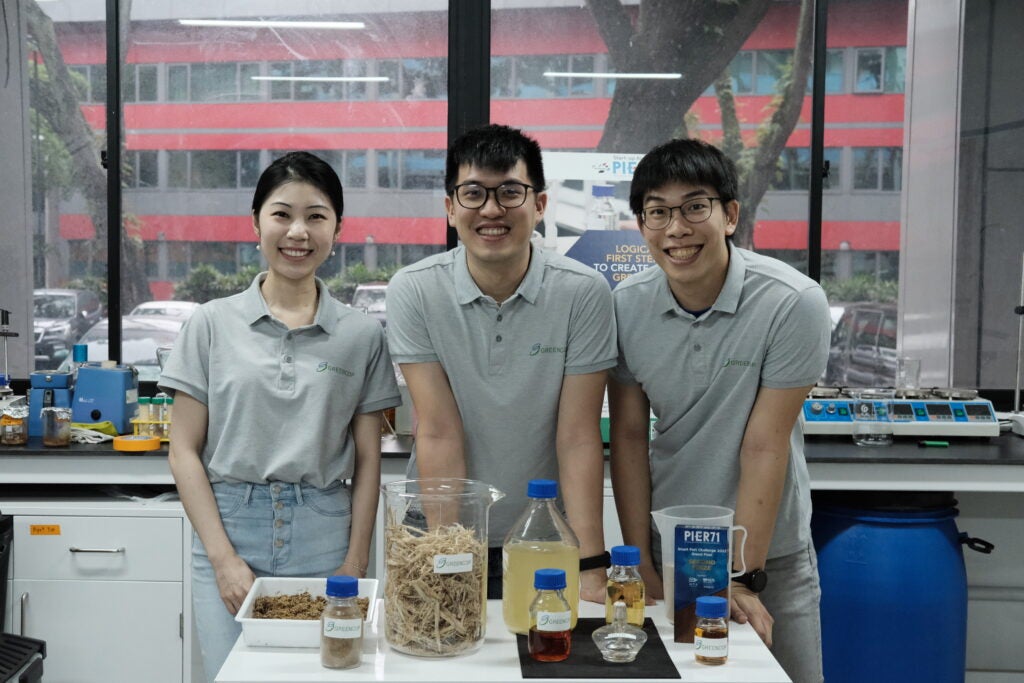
[
  {"x": 723, "y": 344},
  {"x": 505, "y": 348}
]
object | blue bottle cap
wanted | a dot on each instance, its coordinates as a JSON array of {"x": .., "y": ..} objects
[
  {"x": 542, "y": 488},
  {"x": 626, "y": 555},
  {"x": 549, "y": 579},
  {"x": 342, "y": 586},
  {"x": 80, "y": 353},
  {"x": 602, "y": 191},
  {"x": 712, "y": 606}
]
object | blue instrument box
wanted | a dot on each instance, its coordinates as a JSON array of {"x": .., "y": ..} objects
[
  {"x": 46, "y": 389},
  {"x": 106, "y": 394}
]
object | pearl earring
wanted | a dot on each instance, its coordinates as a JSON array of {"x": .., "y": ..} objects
[
  {"x": 257, "y": 246},
  {"x": 334, "y": 252}
]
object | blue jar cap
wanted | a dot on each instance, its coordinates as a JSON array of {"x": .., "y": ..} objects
[
  {"x": 549, "y": 579},
  {"x": 80, "y": 353},
  {"x": 712, "y": 606},
  {"x": 342, "y": 586},
  {"x": 542, "y": 488},
  {"x": 602, "y": 191},
  {"x": 626, "y": 555}
]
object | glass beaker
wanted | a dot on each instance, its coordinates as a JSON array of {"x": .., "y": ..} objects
[
  {"x": 700, "y": 535},
  {"x": 435, "y": 558},
  {"x": 871, "y": 410}
]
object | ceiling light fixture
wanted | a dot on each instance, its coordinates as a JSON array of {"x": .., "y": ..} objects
[
  {"x": 259, "y": 23},
  {"x": 572, "y": 74}
]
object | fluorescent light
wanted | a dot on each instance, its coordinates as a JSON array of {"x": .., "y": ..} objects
[
  {"x": 325, "y": 79},
  {"x": 256, "y": 23},
  {"x": 571, "y": 74}
]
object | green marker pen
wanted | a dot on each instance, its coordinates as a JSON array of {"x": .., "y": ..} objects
[{"x": 933, "y": 444}]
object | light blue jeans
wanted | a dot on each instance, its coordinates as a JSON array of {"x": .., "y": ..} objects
[{"x": 279, "y": 529}]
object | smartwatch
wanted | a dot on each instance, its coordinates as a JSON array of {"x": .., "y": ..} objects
[{"x": 755, "y": 580}]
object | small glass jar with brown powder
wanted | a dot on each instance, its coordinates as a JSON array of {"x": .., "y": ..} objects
[{"x": 341, "y": 626}]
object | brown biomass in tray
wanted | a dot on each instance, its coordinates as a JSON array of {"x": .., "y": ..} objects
[{"x": 302, "y": 606}]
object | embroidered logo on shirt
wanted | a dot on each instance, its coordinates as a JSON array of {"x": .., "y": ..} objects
[
  {"x": 538, "y": 348},
  {"x": 742, "y": 363},
  {"x": 324, "y": 366}
]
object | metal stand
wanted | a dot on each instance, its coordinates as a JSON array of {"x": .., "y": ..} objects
[{"x": 1015, "y": 417}]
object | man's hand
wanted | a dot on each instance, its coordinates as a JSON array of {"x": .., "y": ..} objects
[
  {"x": 746, "y": 607},
  {"x": 234, "y": 579},
  {"x": 653, "y": 588},
  {"x": 594, "y": 585}
]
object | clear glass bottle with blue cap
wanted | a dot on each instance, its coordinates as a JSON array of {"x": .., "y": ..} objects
[
  {"x": 550, "y": 636},
  {"x": 540, "y": 538},
  {"x": 626, "y": 584},
  {"x": 711, "y": 635},
  {"x": 341, "y": 632}
]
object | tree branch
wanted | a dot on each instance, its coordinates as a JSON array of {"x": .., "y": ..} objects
[{"x": 615, "y": 26}]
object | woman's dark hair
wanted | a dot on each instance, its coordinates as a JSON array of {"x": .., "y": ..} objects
[
  {"x": 494, "y": 148},
  {"x": 300, "y": 167},
  {"x": 694, "y": 162}
]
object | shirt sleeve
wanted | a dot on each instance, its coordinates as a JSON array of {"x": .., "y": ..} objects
[
  {"x": 798, "y": 351},
  {"x": 408, "y": 336},
  {"x": 621, "y": 372},
  {"x": 592, "y": 343},
  {"x": 187, "y": 367},
  {"x": 380, "y": 390}
]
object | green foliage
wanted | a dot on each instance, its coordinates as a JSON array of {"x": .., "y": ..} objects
[
  {"x": 344, "y": 286},
  {"x": 205, "y": 282},
  {"x": 861, "y": 287}
]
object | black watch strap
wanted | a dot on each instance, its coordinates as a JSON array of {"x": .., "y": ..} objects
[
  {"x": 755, "y": 580},
  {"x": 596, "y": 561}
]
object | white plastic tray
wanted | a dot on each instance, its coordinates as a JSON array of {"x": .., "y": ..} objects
[{"x": 291, "y": 632}]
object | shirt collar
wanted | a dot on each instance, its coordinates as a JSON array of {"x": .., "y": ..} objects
[
  {"x": 728, "y": 299},
  {"x": 254, "y": 306},
  {"x": 467, "y": 291}
]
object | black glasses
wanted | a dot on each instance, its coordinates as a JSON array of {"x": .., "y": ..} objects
[
  {"x": 694, "y": 211},
  {"x": 509, "y": 195}
]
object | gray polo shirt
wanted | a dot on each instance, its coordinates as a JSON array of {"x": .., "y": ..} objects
[
  {"x": 280, "y": 401},
  {"x": 505, "y": 363},
  {"x": 769, "y": 327}
]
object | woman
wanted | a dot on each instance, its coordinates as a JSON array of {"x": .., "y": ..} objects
[{"x": 279, "y": 392}]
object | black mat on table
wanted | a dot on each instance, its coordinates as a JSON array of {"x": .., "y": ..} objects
[{"x": 585, "y": 659}]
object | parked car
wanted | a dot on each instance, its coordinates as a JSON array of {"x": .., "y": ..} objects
[
  {"x": 169, "y": 309},
  {"x": 369, "y": 298},
  {"x": 60, "y": 316},
  {"x": 863, "y": 349},
  {"x": 141, "y": 337}
]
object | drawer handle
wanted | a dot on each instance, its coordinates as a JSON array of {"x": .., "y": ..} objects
[
  {"x": 24, "y": 604},
  {"x": 96, "y": 550}
]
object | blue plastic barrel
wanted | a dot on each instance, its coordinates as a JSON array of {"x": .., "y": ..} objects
[{"x": 893, "y": 594}]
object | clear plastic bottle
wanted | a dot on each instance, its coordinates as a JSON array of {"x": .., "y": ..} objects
[
  {"x": 540, "y": 538},
  {"x": 711, "y": 635},
  {"x": 341, "y": 625},
  {"x": 550, "y": 636},
  {"x": 144, "y": 415},
  {"x": 156, "y": 410},
  {"x": 625, "y": 584}
]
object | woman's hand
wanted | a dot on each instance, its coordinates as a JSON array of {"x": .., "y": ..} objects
[
  {"x": 351, "y": 568},
  {"x": 234, "y": 579},
  {"x": 653, "y": 588}
]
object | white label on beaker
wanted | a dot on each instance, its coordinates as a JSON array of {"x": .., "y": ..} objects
[{"x": 453, "y": 564}]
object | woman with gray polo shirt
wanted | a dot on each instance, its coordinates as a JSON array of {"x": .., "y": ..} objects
[{"x": 278, "y": 399}]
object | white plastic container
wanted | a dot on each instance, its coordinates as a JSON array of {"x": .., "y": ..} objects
[{"x": 291, "y": 632}]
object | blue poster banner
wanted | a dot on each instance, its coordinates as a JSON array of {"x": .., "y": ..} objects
[{"x": 615, "y": 254}]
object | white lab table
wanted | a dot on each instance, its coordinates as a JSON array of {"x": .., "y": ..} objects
[{"x": 496, "y": 660}]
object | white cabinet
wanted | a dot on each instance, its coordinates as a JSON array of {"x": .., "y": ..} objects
[{"x": 106, "y": 585}]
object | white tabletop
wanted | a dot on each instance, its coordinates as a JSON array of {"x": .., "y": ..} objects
[{"x": 496, "y": 660}]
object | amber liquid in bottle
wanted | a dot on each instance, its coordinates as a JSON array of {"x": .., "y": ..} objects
[
  {"x": 630, "y": 592},
  {"x": 711, "y": 634},
  {"x": 549, "y": 646}
]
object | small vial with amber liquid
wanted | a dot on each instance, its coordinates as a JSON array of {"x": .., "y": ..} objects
[
  {"x": 711, "y": 635},
  {"x": 550, "y": 636},
  {"x": 626, "y": 585}
]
